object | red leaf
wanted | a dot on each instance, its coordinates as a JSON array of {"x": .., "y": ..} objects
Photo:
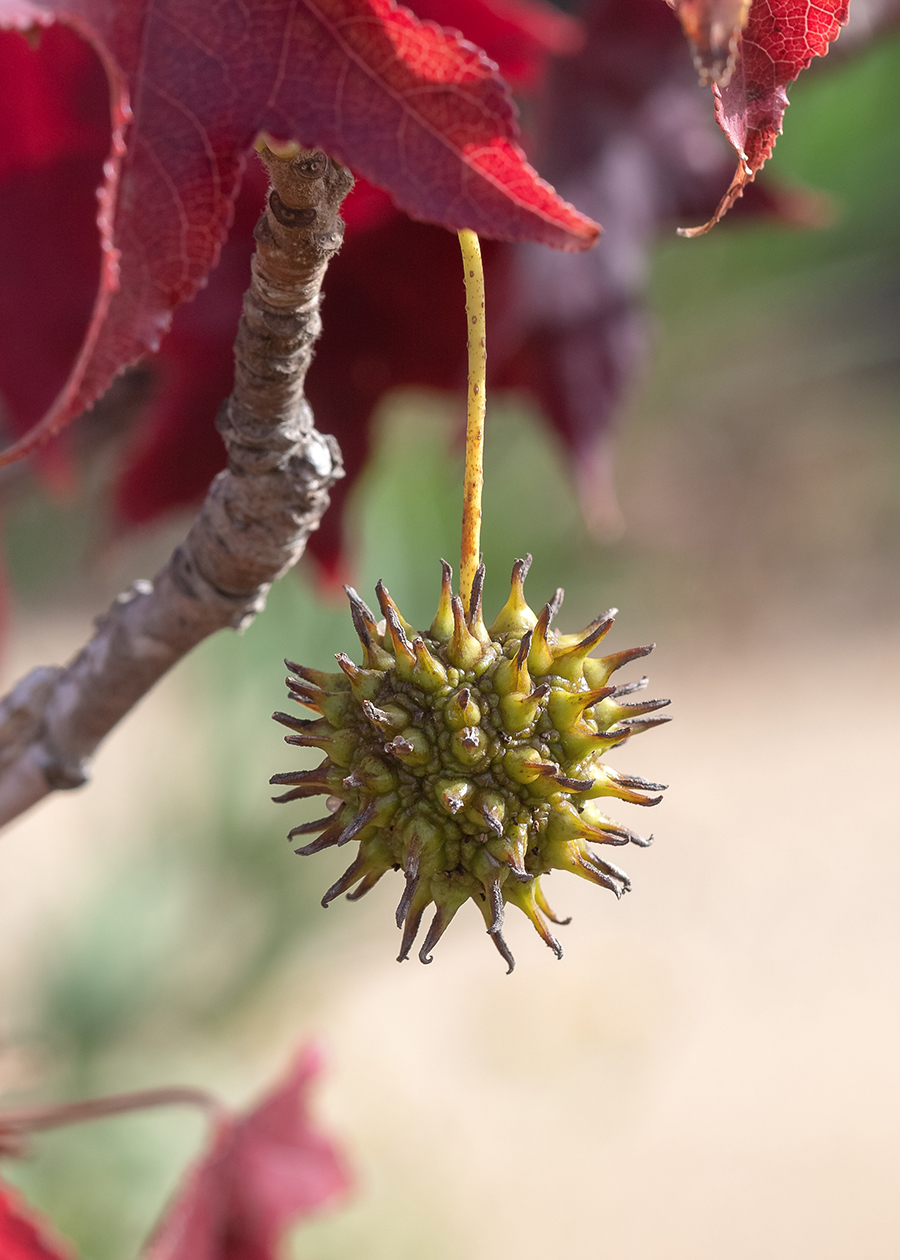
[
  {"x": 262, "y": 1173},
  {"x": 409, "y": 105},
  {"x": 21, "y": 1236},
  {"x": 780, "y": 40}
]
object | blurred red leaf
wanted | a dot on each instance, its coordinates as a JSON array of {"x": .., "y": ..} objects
[
  {"x": 624, "y": 130},
  {"x": 262, "y": 1173},
  {"x": 178, "y": 451},
  {"x": 408, "y": 104},
  {"x": 54, "y": 139},
  {"x": 627, "y": 132},
  {"x": 22, "y": 1237},
  {"x": 780, "y": 40}
]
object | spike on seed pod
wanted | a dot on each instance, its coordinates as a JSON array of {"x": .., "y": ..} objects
[
  {"x": 469, "y": 759},
  {"x": 540, "y": 653},
  {"x": 463, "y": 650},
  {"x": 442, "y": 626},
  {"x": 515, "y": 617}
]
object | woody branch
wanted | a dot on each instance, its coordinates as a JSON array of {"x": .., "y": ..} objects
[{"x": 252, "y": 527}]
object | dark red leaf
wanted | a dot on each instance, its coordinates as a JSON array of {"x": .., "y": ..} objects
[
  {"x": 54, "y": 139},
  {"x": 409, "y": 105},
  {"x": 22, "y": 1235},
  {"x": 780, "y": 40},
  {"x": 262, "y": 1173}
]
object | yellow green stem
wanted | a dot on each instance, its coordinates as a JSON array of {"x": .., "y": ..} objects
[{"x": 474, "y": 475}]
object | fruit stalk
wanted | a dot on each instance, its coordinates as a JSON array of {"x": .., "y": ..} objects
[{"x": 475, "y": 408}]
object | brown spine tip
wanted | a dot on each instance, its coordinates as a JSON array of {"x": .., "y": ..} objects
[
  {"x": 385, "y": 602},
  {"x": 350, "y": 668},
  {"x": 308, "y": 828},
  {"x": 383, "y": 597},
  {"x": 614, "y": 872},
  {"x": 353, "y": 872},
  {"x": 326, "y": 840},
  {"x": 594, "y": 869},
  {"x": 599, "y": 627},
  {"x": 432, "y": 936},
  {"x": 634, "y": 726},
  {"x": 399, "y": 641},
  {"x": 644, "y": 706},
  {"x": 366, "y": 886},
  {"x": 318, "y": 775},
  {"x": 635, "y": 781},
  {"x": 305, "y": 693},
  {"x": 293, "y": 723},
  {"x": 363, "y": 621},
  {"x": 475, "y": 597},
  {"x": 504, "y": 951},
  {"x": 618, "y": 835},
  {"x": 356, "y": 825},
  {"x": 540, "y": 655},
  {"x": 412, "y": 883},
  {"x": 628, "y": 689},
  {"x": 356, "y": 601},
  {"x": 524, "y": 649},
  {"x": 573, "y": 785},
  {"x": 410, "y": 931}
]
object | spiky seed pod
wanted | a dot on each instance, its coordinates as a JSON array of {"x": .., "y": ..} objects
[{"x": 469, "y": 758}]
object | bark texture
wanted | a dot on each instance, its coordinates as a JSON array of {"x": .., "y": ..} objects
[{"x": 252, "y": 527}]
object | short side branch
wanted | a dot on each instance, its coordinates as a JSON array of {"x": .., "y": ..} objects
[{"x": 252, "y": 527}]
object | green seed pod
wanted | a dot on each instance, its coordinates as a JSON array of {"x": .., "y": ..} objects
[{"x": 469, "y": 759}]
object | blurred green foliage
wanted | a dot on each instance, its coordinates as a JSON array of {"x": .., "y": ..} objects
[{"x": 763, "y": 334}]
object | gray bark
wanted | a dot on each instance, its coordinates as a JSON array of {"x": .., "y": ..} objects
[{"x": 252, "y": 527}]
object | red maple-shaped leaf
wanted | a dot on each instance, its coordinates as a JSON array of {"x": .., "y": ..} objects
[
  {"x": 411, "y": 106},
  {"x": 263, "y": 1172},
  {"x": 22, "y": 1237},
  {"x": 780, "y": 40}
]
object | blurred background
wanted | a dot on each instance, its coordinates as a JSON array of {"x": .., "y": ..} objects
[{"x": 711, "y": 1069}]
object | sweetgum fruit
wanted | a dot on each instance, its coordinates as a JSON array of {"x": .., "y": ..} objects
[{"x": 469, "y": 758}]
